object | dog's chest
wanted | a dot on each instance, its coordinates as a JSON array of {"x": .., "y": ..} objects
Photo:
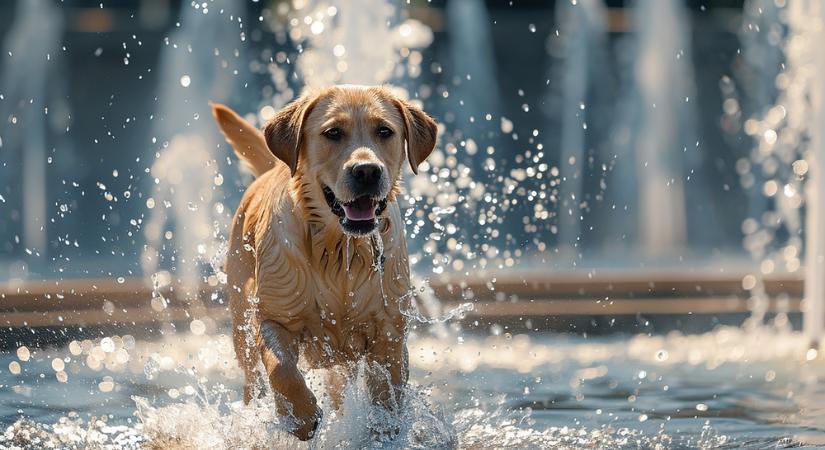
[{"x": 341, "y": 296}]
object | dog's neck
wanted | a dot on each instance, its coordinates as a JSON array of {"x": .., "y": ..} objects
[{"x": 378, "y": 259}]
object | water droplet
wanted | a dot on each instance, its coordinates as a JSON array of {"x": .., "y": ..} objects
[
  {"x": 58, "y": 365},
  {"x": 151, "y": 368},
  {"x": 75, "y": 348},
  {"x": 107, "y": 345},
  {"x": 197, "y": 327},
  {"x": 107, "y": 384},
  {"x": 23, "y": 353}
]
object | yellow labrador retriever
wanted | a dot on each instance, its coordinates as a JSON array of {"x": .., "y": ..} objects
[{"x": 317, "y": 262}]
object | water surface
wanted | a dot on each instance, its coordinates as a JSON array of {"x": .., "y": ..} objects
[{"x": 724, "y": 389}]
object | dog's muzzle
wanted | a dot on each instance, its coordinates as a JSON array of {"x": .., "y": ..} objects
[{"x": 359, "y": 216}]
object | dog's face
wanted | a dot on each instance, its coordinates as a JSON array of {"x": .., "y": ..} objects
[{"x": 347, "y": 143}]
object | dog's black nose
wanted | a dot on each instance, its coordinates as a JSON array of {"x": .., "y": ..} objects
[{"x": 366, "y": 174}]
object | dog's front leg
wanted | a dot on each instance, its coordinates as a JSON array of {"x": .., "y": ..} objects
[
  {"x": 386, "y": 385},
  {"x": 279, "y": 352}
]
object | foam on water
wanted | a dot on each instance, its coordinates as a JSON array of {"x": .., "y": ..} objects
[
  {"x": 357, "y": 424},
  {"x": 419, "y": 425}
]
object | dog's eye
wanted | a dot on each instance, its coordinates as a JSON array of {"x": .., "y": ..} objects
[
  {"x": 385, "y": 132},
  {"x": 333, "y": 134}
]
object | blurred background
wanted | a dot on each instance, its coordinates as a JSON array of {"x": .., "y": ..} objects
[{"x": 617, "y": 133}]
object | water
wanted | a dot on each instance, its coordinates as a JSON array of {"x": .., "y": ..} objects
[
  {"x": 472, "y": 66},
  {"x": 583, "y": 40},
  {"x": 664, "y": 89},
  {"x": 725, "y": 389},
  {"x": 31, "y": 45},
  {"x": 785, "y": 164},
  {"x": 202, "y": 60},
  {"x": 342, "y": 44}
]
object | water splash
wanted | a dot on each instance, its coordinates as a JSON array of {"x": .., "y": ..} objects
[
  {"x": 202, "y": 60},
  {"x": 72, "y": 433},
  {"x": 786, "y": 139},
  {"x": 202, "y": 408},
  {"x": 183, "y": 209},
  {"x": 357, "y": 424},
  {"x": 377, "y": 251},
  {"x": 413, "y": 312},
  {"x": 349, "y": 42}
]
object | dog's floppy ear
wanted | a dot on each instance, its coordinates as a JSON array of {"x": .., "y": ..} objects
[
  {"x": 420, "y": 132},
  {"x": 284, "y": 132}
]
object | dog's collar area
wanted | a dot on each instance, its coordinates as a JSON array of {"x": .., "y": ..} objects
[{"x": 356, "y": 227}]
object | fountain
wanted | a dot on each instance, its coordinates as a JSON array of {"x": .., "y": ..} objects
[
  {"x": 811, "y": 65},
  {"x": 202, "y": 60},
  {"x": 761, "y": 35},
  {"x": 337, "y": 52},
  {"x": 472, "y": 65},
  {"x": 584, "y": 36},
  {"x": 664, "y": 131},
  {"x": 788, "y": 155},
  {"x": 31, "y": 44}
]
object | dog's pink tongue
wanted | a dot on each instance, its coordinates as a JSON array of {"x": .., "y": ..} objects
[{"x": 361, "y": 209}]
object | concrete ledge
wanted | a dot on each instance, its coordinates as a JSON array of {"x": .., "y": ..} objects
[
  {"x": 622, "y": 306},
  {"x": 87, "y": 302}
]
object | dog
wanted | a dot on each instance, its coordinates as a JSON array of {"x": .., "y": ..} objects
[{"x": 317, "y": 263}]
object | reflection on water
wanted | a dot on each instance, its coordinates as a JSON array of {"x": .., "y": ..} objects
[{"x": 727, "y": 388}]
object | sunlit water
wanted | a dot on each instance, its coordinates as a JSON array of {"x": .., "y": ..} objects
[{"x": 723, "y": 389}]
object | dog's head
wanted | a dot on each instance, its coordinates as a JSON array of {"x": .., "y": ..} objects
[{"x": 348, "y": 145}]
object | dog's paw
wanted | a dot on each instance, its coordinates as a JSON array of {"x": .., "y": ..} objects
[{"x": 307, "y": 427}]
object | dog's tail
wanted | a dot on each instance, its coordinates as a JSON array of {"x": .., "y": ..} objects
[{"x": 247, "y": 141}]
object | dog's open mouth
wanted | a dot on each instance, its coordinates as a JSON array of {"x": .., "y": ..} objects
[
  {"x": 362, "y": 208},
  {"x": 359, "y": 216}
]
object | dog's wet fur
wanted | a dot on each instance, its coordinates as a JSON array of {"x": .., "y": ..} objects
[{"x": 328, "y": 169}]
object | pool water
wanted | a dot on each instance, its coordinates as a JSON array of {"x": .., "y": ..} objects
[{"x": 726, "y": 389}]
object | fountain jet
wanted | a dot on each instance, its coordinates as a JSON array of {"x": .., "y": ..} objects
[
  {"x": 813, "y": 33},
  {"x": 664, "y": 92},
  {"x": 586, "y": 22},
  {"x": 32, "y": 43},
  {"x": 472, "y": 61},
  {"x": 201, "y": 61}
]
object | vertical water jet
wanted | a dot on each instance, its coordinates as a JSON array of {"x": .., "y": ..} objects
[
  {"x": 664, "y": 92},
  {"x": 31, "y": 44},
  {"x": 584, "y": 33}
]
